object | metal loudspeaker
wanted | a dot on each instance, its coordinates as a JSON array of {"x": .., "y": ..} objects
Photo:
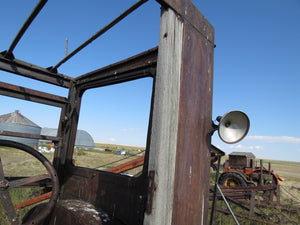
[{"x": 233, "y": 126}]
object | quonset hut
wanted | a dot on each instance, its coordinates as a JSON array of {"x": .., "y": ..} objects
[
  {"x": 16, "y": 122},
  {"x": 83, "y": 138}
]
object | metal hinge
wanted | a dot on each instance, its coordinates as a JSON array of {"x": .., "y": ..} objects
[{"x": 151, "y": 190}]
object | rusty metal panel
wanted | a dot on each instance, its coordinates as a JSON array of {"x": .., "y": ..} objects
[
  {"x": 195, "y": 111},
  {"x": 121, "y": 196}
]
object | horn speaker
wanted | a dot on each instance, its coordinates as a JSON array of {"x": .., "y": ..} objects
[{"x": 233, "y": 126}]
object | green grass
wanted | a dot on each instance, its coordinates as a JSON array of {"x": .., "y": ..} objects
[
  {"x": 19, "y": 163},
  {"x": 282, "y": 163},
  {"x": 18, "y": 195}
]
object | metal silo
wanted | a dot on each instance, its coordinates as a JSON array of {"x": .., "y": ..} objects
[{"x": 16, "y": 122}]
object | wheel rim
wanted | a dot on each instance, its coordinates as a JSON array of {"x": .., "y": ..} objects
[{"x": 231, "y": 182}]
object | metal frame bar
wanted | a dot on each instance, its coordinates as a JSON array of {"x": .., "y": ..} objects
[
  {"x": 228, "y": 206},
  {"x": 138, "y": 66},
  {"x": 34, "y": 72},
  {"x": 34, "y": 13},
  {"x": 26, "y": 135},
  {"x": 215, "y": 192},
  {"x": 31, "y": 95},
  {"x": 100, "y": 32}
]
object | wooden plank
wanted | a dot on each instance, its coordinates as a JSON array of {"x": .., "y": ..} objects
[
  {"x": 181, "y": 121},
  {"x": 193, "y": 156},
  {"x": 165, "y": 118}
]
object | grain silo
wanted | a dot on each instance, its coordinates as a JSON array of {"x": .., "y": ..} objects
[{"x": 16, "y": 122}]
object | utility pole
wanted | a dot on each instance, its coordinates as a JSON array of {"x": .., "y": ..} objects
[{"x": 66, "y": 46}]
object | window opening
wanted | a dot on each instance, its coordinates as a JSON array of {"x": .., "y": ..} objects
[{"x": 115, "y": 121}]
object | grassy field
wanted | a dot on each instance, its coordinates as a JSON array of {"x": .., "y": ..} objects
[
  {"x": 18, "y": 163},
  {"x": 107, "y": 158}
]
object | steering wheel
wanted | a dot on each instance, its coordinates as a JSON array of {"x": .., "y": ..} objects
[{"x": 6, "y": 185}]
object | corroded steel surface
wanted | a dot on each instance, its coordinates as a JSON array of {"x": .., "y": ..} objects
[
  {"x": 34, "y": 200},
  {"x": 121, "y": 196}
]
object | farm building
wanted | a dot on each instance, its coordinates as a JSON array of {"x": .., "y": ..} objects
[
  {"x": 16, "y": 122},
  {"x": 83, "y": 138}
]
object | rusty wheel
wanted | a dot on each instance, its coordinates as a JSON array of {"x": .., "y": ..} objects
[
  {"x": 232, "y": 180},
  {"x": 6, "y": 185}
]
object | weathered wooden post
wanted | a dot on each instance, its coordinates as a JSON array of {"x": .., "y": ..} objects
[
  {"x": 252, "y": 203},
  {"x": 182, "y": 110}
]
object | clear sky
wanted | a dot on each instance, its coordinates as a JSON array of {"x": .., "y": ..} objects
[{"x": 256, "y": 66}]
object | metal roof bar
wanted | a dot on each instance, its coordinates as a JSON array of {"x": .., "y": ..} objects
[
  {"x": 28, "y": 135},
  {"x": 100, "y": 32},
  {"x": 32, "y": 95},
  {"x": 138, "y": 66},
  {"x": 34, "y": 72},
  {"x": 34, "y": 13}
]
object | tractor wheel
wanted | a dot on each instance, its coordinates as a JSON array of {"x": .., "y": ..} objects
[{"x": 232, "y": 180}]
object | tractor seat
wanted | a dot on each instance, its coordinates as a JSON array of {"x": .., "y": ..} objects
[{"x": 71, "y": 212}]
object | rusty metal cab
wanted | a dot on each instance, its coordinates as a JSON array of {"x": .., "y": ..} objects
[
  {"x": 176, "y": 160},
  {"x": 239, "y": 160}
]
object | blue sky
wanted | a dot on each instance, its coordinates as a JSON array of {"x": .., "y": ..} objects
[{"x": 256, "y": 66}]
